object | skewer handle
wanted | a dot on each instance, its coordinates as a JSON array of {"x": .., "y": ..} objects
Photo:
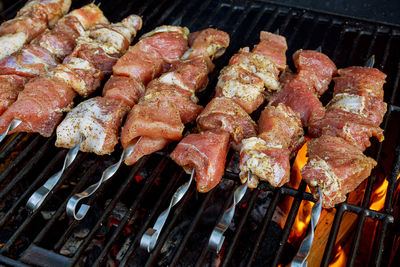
[
  {"x": 149, "y": 238},
  {"x": 13, "y": 124},
  {"x": 37, "y": 198},
  {"x": 74, "y": 202},
  {"x": 217, "y": 236},
  {"x": 305, "y": 247}
]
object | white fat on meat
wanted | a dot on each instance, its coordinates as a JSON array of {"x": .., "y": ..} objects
[
  {"x": 235, "y": 85},
  {"x": 109, "y": 37},
  {"x": 65, "y": 5},
  {"x": 256, "y": 162},
  {"x": 86, "y": 20},
  {"x": 127, "y": 28},
  {"x": 108, "y": 47},
  {"x": 11, "y": 43},
  {"x": 330, "y": 186},
  {"x": 167, "y": 28},
  {"x": 264, "y": 68},
  {"x": 171, "y": 78},
  {"x": 349, "y": 102},
  {"x": 87, "y": 120},
  {"x": 65, "y": 72}
]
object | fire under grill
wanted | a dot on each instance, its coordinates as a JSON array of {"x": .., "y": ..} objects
[{"x": 263, "y": 226}]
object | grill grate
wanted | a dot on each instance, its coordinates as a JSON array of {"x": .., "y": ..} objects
[{"x": 27, "y": 160}]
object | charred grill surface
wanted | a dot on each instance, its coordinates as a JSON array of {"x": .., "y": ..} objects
[{"x": 125, "y": 207}]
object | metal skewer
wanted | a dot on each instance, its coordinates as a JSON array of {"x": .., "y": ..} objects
[
  {"x": 370, "y": 62},
  {"x": 305, "y": 247},
  {"x": 217, "y": 236},
  {"x": 37, "y": 198},
  {"x": 13, "y": 124},
  {"x": 75, "y": 201},
  {"x": 149, "y": 238}
]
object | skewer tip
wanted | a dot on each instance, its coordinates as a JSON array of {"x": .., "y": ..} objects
[
  {"x": 13, "y": 124},
  {"x": 319, "y": 49},
  {"x": 276, "y": 31},
  {"x": 370, "y": 62}
]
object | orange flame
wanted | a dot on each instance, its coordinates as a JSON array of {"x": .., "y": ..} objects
[
  {"x": 340, "y": 258},
  {"x": 378, "y": 197},
  {"x": 304, "y": 215}
]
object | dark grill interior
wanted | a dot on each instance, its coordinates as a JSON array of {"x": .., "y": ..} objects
[{"x": 126, "y": 206}]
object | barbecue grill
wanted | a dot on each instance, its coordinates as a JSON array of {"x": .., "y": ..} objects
[{"x": 126, "y": 206}]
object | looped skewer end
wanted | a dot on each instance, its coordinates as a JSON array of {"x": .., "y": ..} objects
[
  {"x": 37, "y": 198},
  {"x": 217, "y": 236},
  {"x": 300, "y": 260},
  {"x": 13, "y": 124},
  {"x": 74, "y": 202},
  {"x": 370, "y": 62},
  {"x": 149, "y": 238}
]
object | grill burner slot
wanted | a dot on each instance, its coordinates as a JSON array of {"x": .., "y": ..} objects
[{"x": 140, "y": 192}]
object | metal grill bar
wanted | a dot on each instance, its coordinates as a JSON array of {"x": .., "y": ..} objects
[
  {"x": 332, "y": 235},
  {"x": 20, "y": 158},
  {"x": 128, "y": 217},
  {"x": 192, "y": 227},
  {"x": 265, "y": 224},
  {"x": 231, "y": 247},
  {"x": 356, "y": 241}
]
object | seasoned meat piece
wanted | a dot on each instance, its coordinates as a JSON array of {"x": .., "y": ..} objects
[
  {"x": 371, "y": 108},
  {"x": 10, "y": 87},
  {"x": 31, "y": 61},
  {"x": 272, "y": 46},
  {"x": 242, "y": 86},
  {"x": 39, "y": 106},
  {"x": 209, "y": 43},
  {"x": 360, "y": 81},
  {"x": 315, "y": 68},
  {"x": 267, "y": 162},
  {"x": 80, "y": 75},
  {"x": 156, "y": 119},
  {"x": 259, "y": 65},
  {"x": 353, "y": 128},
  {"x": 206, "y": 153},
  {"x": 335, "y": 166},
  {"x": 267, "y": 156},
  {"x": 123, "y": 88},
  {"x": 296, "y": 95},
  {"x": 98, "y": 120},
  {"x": 281, "y": 126},
  {"x": 158, "y": 91},
  {"x": 225, "y": 115},
  {"x": 146, "y": 60}
]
